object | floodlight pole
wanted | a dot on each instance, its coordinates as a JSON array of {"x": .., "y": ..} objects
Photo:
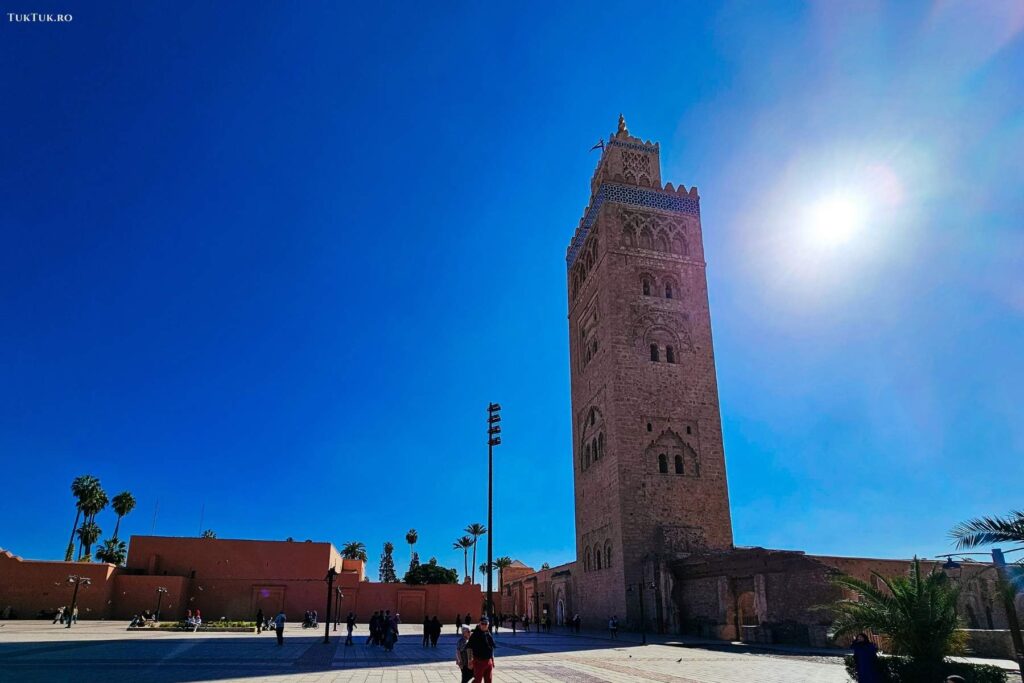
[{"x": 493, "y": 430}]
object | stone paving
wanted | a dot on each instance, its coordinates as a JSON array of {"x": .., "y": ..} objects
[{"x": 103, "y": 651}]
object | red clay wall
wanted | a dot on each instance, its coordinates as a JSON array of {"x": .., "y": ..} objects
[{"x": 29, "y": 586}]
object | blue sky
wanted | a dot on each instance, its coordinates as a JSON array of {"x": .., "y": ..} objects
[{"x": 267, "y": 265}]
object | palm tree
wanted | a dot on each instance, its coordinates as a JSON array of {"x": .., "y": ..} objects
[
  {"x": 484, "y": 570},
  {"x": 92, "y": 504},
  {"x": 123, "y": 503},
  {"x": 989, "y": 531},
  {"x": 476, "y": 530},
  {"x": 502, "y": 563},
  {"x": 411, "y": 539},
  {"x": 916, "y": 612},
  {"x": 464, "y": 543},
  {"x": 354, "y": 550},
  {"x": 112, "y": 551},
  {"x": 88, "y": 534},
  {"x": 208, "y": 533},
  {"x": 80, "y": 488}
]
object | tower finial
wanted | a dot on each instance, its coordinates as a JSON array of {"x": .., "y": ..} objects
[{"x": 622, "y": 125}]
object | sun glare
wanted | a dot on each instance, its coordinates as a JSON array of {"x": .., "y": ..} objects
[{"x": 834, "y": 220}]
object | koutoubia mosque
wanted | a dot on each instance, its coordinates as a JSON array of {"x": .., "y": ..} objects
[{"x": 654, "y": 542}]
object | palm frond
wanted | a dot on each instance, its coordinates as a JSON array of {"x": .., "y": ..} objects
[{"x": 989, "y": 530}]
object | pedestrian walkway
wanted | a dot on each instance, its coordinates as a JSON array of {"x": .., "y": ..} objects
[{"x": 32, "y": 651}]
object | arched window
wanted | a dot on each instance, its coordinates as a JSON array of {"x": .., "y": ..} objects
[
  {"x": 600, "y": 445},
  {"x": 597, "y": 557},
  {"x": 679, "y": 464},
  {"x": 607, "y": 554},
  {"x": 654, "y": 353},
  {"x": 586, "y": 559},
  {"x": 593, "y": 449},
  {"x": 670, "y": 354},
  {"x": 646, "y": 287},
  {"x": 662, "y": 464},
  {"x": 668, "y": 290}
]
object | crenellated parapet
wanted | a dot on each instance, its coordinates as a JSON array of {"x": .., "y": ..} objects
[{"x": 629, "y": 172}]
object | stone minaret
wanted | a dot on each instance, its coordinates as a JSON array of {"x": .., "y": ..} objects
[{"x": 649, "y": 465}]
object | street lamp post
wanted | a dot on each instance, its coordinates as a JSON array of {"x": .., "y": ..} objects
[
  {"x": 159, "y": 598},
  {"x": 640, "y": 593},
  {"x": 493, "y": 430},
  {"x": 331, "y": 573},
  {"x": 337, "y": 606},
  {"x": 78, "y": 581},
  {"x": 999, "y": 565},
  {"x": 537, "y": 595}
]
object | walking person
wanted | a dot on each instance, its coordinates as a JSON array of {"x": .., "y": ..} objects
[
  {"x": 481, "y": 646},
  {"x": 515, "y": 619},
  {"x": 576, "y": 622},
  {"x": 613, "y": 626},
  {"x": 350, "y": 624},
  {"x": 74, "y": 615},
  {"x": 59, "y": 616},
  {"x": 259, "y": 621},
  {"x": 435, "y": 631},
  {"x": 279, "y": 626},
  {"x": 463, "y": 658},
  {"x": 865, "y": 657},
  {"x": 526, "y": 624},
  {"x": 467, "y": 619},
  {"x": 426, "y": 631},
  {"x": 458, "y": 623}
]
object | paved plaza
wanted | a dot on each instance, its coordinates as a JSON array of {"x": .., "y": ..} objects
[{"x": 104, "y": 651}]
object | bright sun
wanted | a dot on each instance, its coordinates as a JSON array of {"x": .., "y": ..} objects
[{"x": 835, "y": 219}]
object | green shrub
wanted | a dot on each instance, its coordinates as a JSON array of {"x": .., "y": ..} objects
[{"x": 903, "y": 670}]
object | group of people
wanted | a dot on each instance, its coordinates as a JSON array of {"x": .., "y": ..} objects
[
  {"x": 193, "y": 620},
  {"x": 384, "y": 630},
  {"x": 310, "y": 619},
  {"x": 474, "y": 652},
  {"x": 431, "y": 631},
  {"x": 263, "y": 623},
  {"x": 63, "y": 614}
]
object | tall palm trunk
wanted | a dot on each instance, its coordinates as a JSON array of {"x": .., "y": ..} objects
[
  {"x": 474, "y": 558},
  {"x": 117, "y": 526},
  {"x": 465, "y": 559},
  {"x": 71, "y": 543}
]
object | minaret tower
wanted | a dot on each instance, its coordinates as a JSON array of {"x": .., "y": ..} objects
[{"x": 649, "y": 465}]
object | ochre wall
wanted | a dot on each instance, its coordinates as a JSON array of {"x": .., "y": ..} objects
[
  {"x": 222, "y": 578},
  {"x": 28, "y": 586}
]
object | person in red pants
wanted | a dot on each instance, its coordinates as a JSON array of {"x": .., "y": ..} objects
[{"x": 481, "y": 648}]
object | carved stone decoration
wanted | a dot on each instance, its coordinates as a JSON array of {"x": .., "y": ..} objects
[
  {"x": 654, "y": 232},
  {"x": 658, "y": 326}
]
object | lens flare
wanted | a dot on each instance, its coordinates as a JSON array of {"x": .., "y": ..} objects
[{"x": 835, "y": 219}]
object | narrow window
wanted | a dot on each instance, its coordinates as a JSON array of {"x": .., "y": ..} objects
[
  {"x": 668, "y": 291},
  {"x": 670, "y": 354},
  {"x": 600, "y": 445},
  {"x": 597, "y": 558},
  {"x": 647, "y": 287},
  {"x": 649, "y": 427},
  {"x": 608, "y": 555},
  {"x": 689, "y": 431},
  {"x": 593, "y": 449},
  {"x": 662, "y": 464},
  {"x": 586, "y": 560},
  {"x": 586, "y": 456},
  {"x": 679, "y": 464},
  {"x": 654, "y": 353},
  {"x": 593, "y": 415}
]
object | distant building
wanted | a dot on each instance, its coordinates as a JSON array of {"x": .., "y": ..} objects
[{"x": 222, "y": 578}]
